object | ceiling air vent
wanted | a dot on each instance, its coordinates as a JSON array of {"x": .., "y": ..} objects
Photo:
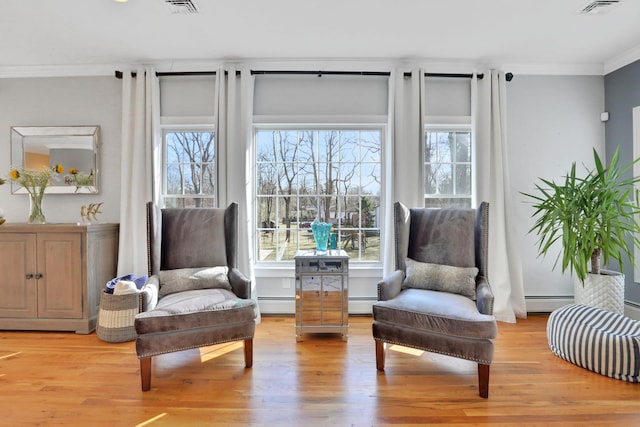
[
  {"x": 181, "y": 6},
  {"x": 598, "y": 6}
]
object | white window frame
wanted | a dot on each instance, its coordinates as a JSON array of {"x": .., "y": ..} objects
[
  {"x": 372, "y": 125},
  {"x": 451, "y": 127},
  {"x": 169, "y": 125}
]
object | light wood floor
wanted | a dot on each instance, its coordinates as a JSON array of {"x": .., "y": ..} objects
[{"x": 63, "y": 379}]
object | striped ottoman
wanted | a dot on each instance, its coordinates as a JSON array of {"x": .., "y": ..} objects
[{"x": 601, "y": 341}]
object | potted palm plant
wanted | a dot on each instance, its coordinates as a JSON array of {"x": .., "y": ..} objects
[{"x": 594, "y": 219}]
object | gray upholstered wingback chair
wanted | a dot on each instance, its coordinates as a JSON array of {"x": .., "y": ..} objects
[
  {"x": 189, "y": 304},
  {"x": 436, "y": 300}
]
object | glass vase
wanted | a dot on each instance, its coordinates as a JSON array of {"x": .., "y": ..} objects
[
  {"x": 36, "y": 216},
  {"x": 321, "y": 235}
]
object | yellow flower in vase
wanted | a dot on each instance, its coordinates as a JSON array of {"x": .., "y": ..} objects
[{"x": 35, "y": 181}]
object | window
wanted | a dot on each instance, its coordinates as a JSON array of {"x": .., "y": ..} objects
[
  {"x": 447, "y": 167},
  {"x": 332, "y": 175},
  {"x": 189, "y": 168}
]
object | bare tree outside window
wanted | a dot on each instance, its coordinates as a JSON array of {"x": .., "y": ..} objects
[
  {"x": 447, "y": 168},
  {"x": 329, "y": 175},
  {"x": 189, "y": 165}
]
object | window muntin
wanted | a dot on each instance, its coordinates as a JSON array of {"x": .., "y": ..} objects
[
  {"x": 332, "y": 175},
  {"x": 189, "y": 168},
  {"x": 447, "y": 168}
]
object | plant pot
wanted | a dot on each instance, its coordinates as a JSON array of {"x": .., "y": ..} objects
[{"x": 605, "y": 291}]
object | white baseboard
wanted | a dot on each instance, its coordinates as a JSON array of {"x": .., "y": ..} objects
[
  {"x": 632, "y": 310},
  {"x": 362, "y": 306},
  {"x": 286, "y": 306},
  {"x": 546, "y": 304},
  {"x": 277, "y": 306}
]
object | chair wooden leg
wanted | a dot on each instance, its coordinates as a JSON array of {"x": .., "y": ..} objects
[
  {"x": 145, "y": 373},
  {"x": 248, "y": 353},
  {"x": 483, "y": 380},
  {"x": 379, "y": 355}
]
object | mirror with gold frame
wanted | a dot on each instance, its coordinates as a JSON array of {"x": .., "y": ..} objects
[{"x": 73, "y": 147}]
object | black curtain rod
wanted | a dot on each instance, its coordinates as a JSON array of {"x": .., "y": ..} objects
[
  {"x": 509, "y": 76},
  {"x": 452, "y": 75},
  {"x": 265, "y": 72},
  {"x": 173, "y": 73}
]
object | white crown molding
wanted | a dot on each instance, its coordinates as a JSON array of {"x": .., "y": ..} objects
[
  {"x": 358, "y": 64},
  {"x": 558, "y": 69},
  {"x": 57, "y": 71},
  {"x": 185, "y": 66},
  {"x": 319, "y": 64},
  {"x": 619, "y": 61}
]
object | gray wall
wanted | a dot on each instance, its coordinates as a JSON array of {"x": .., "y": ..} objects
[
  {"x": 552, "y": 121},
  {"x": 622, "y": 94},
  {"x": 64, "y": 101},
  {"x": 187, "y": 96}
]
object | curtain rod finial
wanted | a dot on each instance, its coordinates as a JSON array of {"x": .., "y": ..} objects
[{"x": 509, "y": 76}]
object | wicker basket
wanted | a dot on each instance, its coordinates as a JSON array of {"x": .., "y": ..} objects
[{"x": 116, "y": 317}]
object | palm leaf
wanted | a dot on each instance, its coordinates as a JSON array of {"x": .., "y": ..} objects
[{"x": 588, "y": 215}]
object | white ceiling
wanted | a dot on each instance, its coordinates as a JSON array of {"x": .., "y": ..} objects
[{"x": 518, "y": 33}]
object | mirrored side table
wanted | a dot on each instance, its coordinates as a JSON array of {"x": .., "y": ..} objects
[{"x": 322, "y": 292}]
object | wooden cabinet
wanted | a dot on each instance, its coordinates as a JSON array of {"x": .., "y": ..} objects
[
  {"x": 322, "y": 301},
  {"x": 51, "y": 275}
]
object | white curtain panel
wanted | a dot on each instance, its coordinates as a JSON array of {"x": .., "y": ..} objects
[
  {"x": 492, "y": 185},
  {"x": 234, "y": 112},
  {"x": 409, "y": 139},
  {"x": 404, "y": 144},
  {"x": 388, "y": 253},
  {"x": 140, "y": 118}
]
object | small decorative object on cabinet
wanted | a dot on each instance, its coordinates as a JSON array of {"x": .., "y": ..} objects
[
  {"x": 322, "y": 299},
  {"x": 321, "y": 234},
  {"x": 52, "y": 275},
  {"x": 89, "y": 213}
]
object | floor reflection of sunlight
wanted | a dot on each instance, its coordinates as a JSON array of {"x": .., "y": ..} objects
[
  {"x": 151, "y": 420},
  {"x": 406, "y": 350},
  {"x": 10, "y": 355},
  {"x": 208, "y": 353}
]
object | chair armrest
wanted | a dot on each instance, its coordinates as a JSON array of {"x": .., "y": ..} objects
[
  {"x": 240, "y": 284},
  {"x": 484, "y": 296},
  {"x": 390, "y": 286},
  {"x": 149, "y": 293}
]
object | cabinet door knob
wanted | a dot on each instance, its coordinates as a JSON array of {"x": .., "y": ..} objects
[
  {"x": 29, "y": 276},
  {"x": 38, "y": 275}
]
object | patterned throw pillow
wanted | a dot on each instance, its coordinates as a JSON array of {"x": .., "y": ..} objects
[
  {"x": 444, "y": 278},
  {"x": 188, "y": 279}
]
